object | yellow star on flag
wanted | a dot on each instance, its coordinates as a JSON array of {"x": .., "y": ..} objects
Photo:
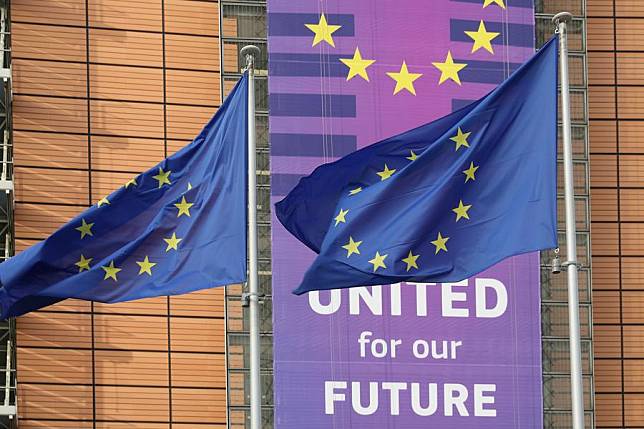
[
  {"x": 404, "y": 79},
  {"x": 386, "y": 173},
  {"x": 131, "y": 183},
  {"x": 173, "y": 242},
  {"x": 378, "y": 261},
  {"x": 355, "y": 191},
  {"x": 461, "y": 211},
  {"x": 469, "y": 173},
  {"x": 410, "y": 260},
  {"x": 85, "y": 229},
  {"x": 482, "y": 38},
  {"x": 352, "y": 247},
  {"x": 440, "y": 243},
  {"x": 110, "y": 271},
  {"x": 83, "y": 263},
  {"x": 449, "y": 69},
  {"x": 103, "y": 201},
  {"x": 486, "y": 3},
  {"x": 460, "y": 139},
  {"x": 163, "y": 177},
  {"x": 189, "y": 186},
  {"x": 146, "y": 266},
  {"x": 323, "y": 31},
  {"x": 412, "y": 156},
  {"x": 184, "y": 207},
  {"x": 357, "y": 65},
  {"x": 340, "y": 217}
]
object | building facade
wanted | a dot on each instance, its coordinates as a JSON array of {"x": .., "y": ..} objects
[{"x": 103, "y": 90}]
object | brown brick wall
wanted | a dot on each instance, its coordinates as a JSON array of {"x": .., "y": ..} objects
[
  {"x": 104, "y": 89},
  {"x": 616, "y": 101}
]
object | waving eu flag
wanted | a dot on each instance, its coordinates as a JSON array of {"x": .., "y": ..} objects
[
  {"x": 179, "y": 227},
  {"x": 441, "y": 202}
]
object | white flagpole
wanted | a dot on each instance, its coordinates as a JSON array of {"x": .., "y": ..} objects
[
  {"x": 250, "y": 53},
  {"x": 576, "y": 384}
]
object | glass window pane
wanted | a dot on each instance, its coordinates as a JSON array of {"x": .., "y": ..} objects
[
  {"x": 580, "y": 176},
  {"x": 244, "y": 21},
  {"x": 576, "y": 7},
  {"x": 583, "y": 250},
  {"x": 556, "y": 356},
  {"x": 554, "y": 287},
  {"x": 554, "y": 320}
]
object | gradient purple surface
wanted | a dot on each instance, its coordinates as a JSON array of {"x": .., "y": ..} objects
[{"x": 309, "y": 348}]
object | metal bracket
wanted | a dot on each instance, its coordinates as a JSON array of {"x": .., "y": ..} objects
[
  {"x": 568, "y": 263},
  {"x": 245, "y": 298}
]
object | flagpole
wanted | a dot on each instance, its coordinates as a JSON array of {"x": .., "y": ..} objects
[
  {"x": 250, "y": 53},
  {"x": 576, "y": 384}
]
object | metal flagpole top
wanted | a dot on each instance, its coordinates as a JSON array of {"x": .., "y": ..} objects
[
  {"x": 249, "y": 50},
  {"x": 560, "y": 17}
]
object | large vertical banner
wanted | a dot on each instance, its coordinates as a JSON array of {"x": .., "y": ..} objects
[{"x": 345, "y": 74}]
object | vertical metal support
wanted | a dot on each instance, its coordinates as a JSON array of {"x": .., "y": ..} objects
[
  {"x": 7, "y": 386},
  {"x": 250, "y": 53},
  {"x": 576, "y": 382}
]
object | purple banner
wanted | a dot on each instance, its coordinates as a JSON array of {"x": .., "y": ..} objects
[{"x": 343, "y": 75}]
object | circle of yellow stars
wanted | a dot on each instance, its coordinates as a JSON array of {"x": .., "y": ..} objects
[
  {"x": 461, "y": 211},
  {"x": 404, "y": 81},
  {"x": 404, "y": 78},
  {"x": 172, "y": 243}
]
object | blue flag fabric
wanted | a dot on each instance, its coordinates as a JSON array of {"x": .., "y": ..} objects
[
  {"x": 442, "y": 202},
  {"x": 177, "y": 228}
]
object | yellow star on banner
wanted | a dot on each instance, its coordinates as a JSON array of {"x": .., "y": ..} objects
[
  {"x": 378, "y": 261},
  {"x": 103, "y": 201},
  {"x": 482, "y": 38},
  {"x": 146, "y": 266},
  {"x": 131, "y": 183},
  {"x": 461, "y": 211},
  {"x": 323, "y": 31},
  {"x": 469, "y": 173},
  {"x": 83, "y": 263},
  {"x": 449, "y": 69},
  {"x": 352, "y": 247},
  {"x": 173, "y": 242},
  {"x": 163, "y": 177},
  {"x": 440, "y": 243},
  {"x": 357, "y": 65},
  {"x": 410, "y": 260},
  {"x": 184, "y": 207},
  {"x": 486, "y": 3},
  {"x": 460, "y": 139},
  {"x": 110, "y": 271},
  {"x": 340, "y": 217},
  {"x": 355, "y": 191},
  {"x": 404, "y": 79},
  {"x": 412, "y": 156},
  {"x": 85, "y": 229},
  {"x": 386, "y": 173},
  {"x": 189, "y": 186}
]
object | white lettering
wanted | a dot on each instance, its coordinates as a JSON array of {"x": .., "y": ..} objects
[
  {"x": 394, "y": 395},
  {"x": 449, "y": 297},
  {"x": 480, "y": 400},
  {"x": 458, "y": 400},
  {"x": 371, "y": 296},
  {"x": 330, "y": 396},
  {"x": 432, "y": 399},
  {"x": 501, "y": 298},
  {"x": 373, "y": 398},
  {"x": 330, "y": 308}
]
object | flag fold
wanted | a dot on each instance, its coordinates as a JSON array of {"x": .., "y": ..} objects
[
  {"x": 177, "y": 228},
  {"x": 441, "y": 202}
]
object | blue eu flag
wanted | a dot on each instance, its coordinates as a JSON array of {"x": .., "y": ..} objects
[
  {"x": 178, "y": 227},
  {"x": 442, "y": 202}
]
